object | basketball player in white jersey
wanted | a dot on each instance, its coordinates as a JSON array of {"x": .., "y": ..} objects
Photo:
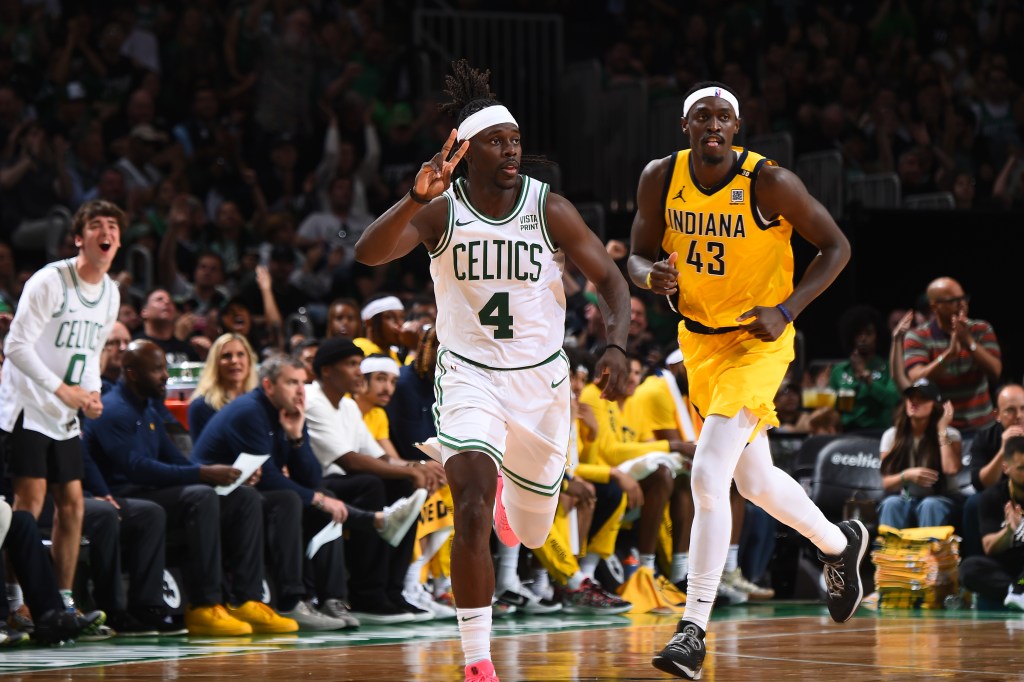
[
  {"x": 497, "y": 241},
  {"x": 52, "y": 370}
]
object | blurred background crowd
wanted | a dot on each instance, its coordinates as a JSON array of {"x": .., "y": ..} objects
[{"x": 250, "y": 143}]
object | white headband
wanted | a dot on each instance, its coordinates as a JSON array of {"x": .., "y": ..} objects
[
  {"x": 484, "y": 119},
  {"x": 711, "y": 92},
  {"x": 674, "y": 358},
  {"x": 381, "y": 305},
  {"x": 371, "y": 365}
]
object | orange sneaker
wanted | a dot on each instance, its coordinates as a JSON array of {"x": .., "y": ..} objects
[
  {"x": 263, "y": 619},
  {"x": 214, "y": 621}
]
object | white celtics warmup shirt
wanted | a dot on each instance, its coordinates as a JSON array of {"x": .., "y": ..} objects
[
  {"x": 498, "y": 282},
  {"x": 57, "y": 336}
]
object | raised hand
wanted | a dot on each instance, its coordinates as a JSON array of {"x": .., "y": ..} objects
[
  {"x": 947, "y": 417},
  {"x": 435, "y": 176},
  {"x": 903, "y": 326}
]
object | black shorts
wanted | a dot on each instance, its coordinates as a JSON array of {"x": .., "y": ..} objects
[{"x": 31, "y": 454}]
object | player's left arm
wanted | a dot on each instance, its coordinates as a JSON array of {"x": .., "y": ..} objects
[
  {"x": 781, "y": 193},
  {"x": 582, "y": 246}
]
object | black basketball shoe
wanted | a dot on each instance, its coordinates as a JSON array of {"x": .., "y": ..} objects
[
  {"x": 842, "y": 572},
  {"x": 684, "y": 654}
]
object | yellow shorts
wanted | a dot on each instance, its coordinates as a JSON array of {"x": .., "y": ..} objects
[{"x": 728, "y": 372}]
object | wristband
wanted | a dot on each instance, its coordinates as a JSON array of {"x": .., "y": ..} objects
[
  {"x": 617, "y": 347},
  {"x": 417, "y": 198},
  {"x": 785, "y": 313},
  {"x": 648, "y": 280}
]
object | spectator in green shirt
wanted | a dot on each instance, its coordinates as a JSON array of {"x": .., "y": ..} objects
[{"x": 866, "y": 373}]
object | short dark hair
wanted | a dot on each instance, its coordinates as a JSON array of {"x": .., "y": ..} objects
[
  {"x": 206, "y": 253},
  {"x": 303, "y": 345},
  {"x": 856, "y": 319},
  {"x": 1013, "y": 446},
  {"x": 97, "y": 208}
]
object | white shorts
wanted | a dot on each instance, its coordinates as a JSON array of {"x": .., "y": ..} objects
[{"x": 519, "y": 418}]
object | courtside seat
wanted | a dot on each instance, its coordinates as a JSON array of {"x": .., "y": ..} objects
[{"x": 847, "y": 467}]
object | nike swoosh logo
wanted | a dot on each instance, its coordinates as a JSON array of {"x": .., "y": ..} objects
[
  {"x": 556, "y": 384},
  {"x": 465, "y": 618},
  {"x": 458, "y": 224},
  {"x": 704, "y": 601}
]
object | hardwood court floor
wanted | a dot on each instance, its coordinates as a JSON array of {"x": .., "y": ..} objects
[{"x": 777, "y": 642}]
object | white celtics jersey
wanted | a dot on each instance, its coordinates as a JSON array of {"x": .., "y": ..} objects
[
  {"x": 498, "y": 282},
  {"x": 56, "y": 337}
]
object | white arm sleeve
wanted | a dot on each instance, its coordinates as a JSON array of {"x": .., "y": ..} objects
[{"x": 42, "y": 297}]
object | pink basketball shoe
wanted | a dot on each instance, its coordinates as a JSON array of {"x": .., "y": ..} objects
[
  {"x": 481, "y": 671},
  {"x": 501, "y": 527}
]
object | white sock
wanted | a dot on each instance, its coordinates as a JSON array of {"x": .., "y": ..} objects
[
  {"x": 588, "y": 564},
  {"x": 412, "y": 576},
  {"x": 15, "y": 599},
  {"x": 475, "y": 631},
  {"x": 508, "y": 568},
  {"x": 442, "y": 584},
  {"x": 69, "y": 598},
  {"x": 647, "y": 561},
  {"x": 541, "y": 583},
  {"x": 732, "y": 558},
  {"x": 575, "y": 580},
  {"x": 679, "y": 561}
]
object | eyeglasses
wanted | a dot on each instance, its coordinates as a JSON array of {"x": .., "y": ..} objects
[{"x": 966, "y": 298}]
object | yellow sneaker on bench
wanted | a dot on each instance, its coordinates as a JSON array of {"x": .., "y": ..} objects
[
  {"x": 214, "y": 621},
  {"x": 263, "y": 619}
]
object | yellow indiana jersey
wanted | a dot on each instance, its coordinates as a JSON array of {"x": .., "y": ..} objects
[
  {"x": 376, "y": 421},
  {"x": 657, "y": 407},
  {"x": 731, "y": 258}
]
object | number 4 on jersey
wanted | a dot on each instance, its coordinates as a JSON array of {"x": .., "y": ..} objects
[{"x": 495, "y": 314}]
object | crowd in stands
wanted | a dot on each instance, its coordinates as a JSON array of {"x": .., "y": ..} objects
[{"x": 251, "y": 143}]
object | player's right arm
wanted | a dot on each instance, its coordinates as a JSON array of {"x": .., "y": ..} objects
[
  {"x": 647, "y": 232},
  {"x": 42, "y": 296},
  {"x": 409, "y": 222}
]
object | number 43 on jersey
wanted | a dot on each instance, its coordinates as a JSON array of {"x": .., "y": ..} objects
[{"x": 715, "y": 262}]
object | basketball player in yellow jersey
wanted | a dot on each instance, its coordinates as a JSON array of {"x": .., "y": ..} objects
[{"x": 725, "y": 215}]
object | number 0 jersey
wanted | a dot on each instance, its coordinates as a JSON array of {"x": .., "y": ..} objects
[
  {"x": 498, "y": 282},
  {"x": 730, "y": 257},
  {"x": 57, "y": 336}
]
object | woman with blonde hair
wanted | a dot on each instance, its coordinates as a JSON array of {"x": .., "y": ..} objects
[{"x": 229, "y": 372}]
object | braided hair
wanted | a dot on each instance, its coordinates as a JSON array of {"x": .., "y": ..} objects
[
  {"x": 470, "y": 92},
  {"x": 469, "y": 89},
  {"x": 426, "y": 354}
]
